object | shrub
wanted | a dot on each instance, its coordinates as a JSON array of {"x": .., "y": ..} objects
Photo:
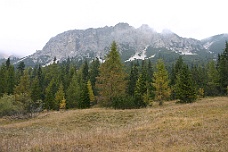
[
  {"x": 124, "y": 102},
  {"x": 8, "y": 105}
]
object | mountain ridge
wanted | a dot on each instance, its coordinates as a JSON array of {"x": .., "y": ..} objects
[{"x": 95, "y": 42}]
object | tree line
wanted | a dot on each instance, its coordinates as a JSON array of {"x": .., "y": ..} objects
[{"x": 70, "y": 85}]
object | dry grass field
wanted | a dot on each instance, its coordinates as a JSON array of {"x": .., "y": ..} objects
[{"x": 201, "y": 126}]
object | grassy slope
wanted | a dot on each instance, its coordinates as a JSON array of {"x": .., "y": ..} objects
[{"x": 201, "y": 126}]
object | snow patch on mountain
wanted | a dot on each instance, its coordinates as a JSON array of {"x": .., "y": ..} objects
[
  {"x": 152, "y": 56},
  {"x": 51, "y": 62},
  {"x": 22, "y": 59},
  {"x": 207, "y": 45},
  {"x": 138, "y": 55},
  {"x": 187, "y": 53}
]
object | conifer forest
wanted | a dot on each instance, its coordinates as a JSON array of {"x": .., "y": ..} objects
[{"x": 113, "y": 84}]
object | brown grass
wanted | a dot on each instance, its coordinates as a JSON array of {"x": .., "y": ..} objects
[{"x": 201, "y": 126}]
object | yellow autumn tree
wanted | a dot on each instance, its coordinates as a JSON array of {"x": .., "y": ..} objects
[
  {"x": 90, "y": 89},
  {"x": 161, "y": 82},
  {"x": 111, "y": 83},
  {"x": 60, "y": 97}
]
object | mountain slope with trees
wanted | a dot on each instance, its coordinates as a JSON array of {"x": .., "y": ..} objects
[{"x": 82, "y": 84}]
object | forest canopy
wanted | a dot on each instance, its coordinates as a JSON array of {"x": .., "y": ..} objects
[{"x": 114, "y": 84}]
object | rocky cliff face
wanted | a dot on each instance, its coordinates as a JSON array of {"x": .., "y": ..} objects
[{"x": 91, "y": 43}]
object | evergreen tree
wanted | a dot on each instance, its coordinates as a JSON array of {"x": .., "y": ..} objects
[
  {"x": 8, "y": 63},
  {"x": 66, "y": 74},
  {"x": 141, "y": 91},
  {"x": 94, "y": 72},
  {"x": 10, "y": 79},
  {"x": 213, "y": 80},
  {"x": 84, "y": 97},
  {"x": 73, "y": 93},
  {"x": 179, "y": 64},
  {"x": 111, "y": 83},
  {"x": 50, "y": 91},
  {"x": 84, "y": 101},
  {"x": 51, "y": 72},
  {"x": 3, "y": 80},
  {"x": 36, "y": 90},
  {"x": 185, "y": 88},
  {"x": 133, "y": 79},
  {"x": 150, "y": 71},
  {"x": 223, "y": 70},
  {"x": 22, "y": 91},
  {"x": 21, "y": 68},
  {"x": 161, "y": 82},
  {"x": 174, "y": 74},
  {"x": 85, "y": 72},
  {"x": 199, "y": 75},
  {"x": 150, "y": 88},
  {"x": 40, "y": 74},
  {"x": 24, "y": 85},
  {"x": 40, "y": 77}
]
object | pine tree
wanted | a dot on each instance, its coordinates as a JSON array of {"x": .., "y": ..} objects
[
  {"x": 22, "y": 91},
  {"x": 150, "y": 73},
  {"x": 186, "y": 91},
  {"x": 141, "y": 91},
  {"x": 213, "y": 80},
  {"x": 40, "y": 77},
  {"x": 24, "y": 85},
  {"x": 10, "y": 79},
  {"x": 93, "y": 73},
  {"x": 73, "y": 93},
  {"x": 21, "y": 68},
  {"x": 223, "y": 70},
  {"x": 51, "y": 72},
  {"x": 174, "y": 74},
  {"x": 111, "y": 83},
  {"x": 36, "y": 90},
  {"x": 85, "y": 72},
  {"x": 3, "y": 80},
  {"x": 8, "y": 63},
  {"x": 84, "y": 97},
  {"x": 133, "y": 79},
  {"x": 161, "y": 82},
  {"x": 199, "y": 75},
  {"x": 50, "y": 91},
  {"x": 66, "y": 74}
]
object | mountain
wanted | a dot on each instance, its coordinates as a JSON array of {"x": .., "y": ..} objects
[
  {"x": 215, "y": 44},
  {"x": 133, "y": 43}
]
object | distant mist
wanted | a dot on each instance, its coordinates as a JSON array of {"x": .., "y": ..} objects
[{"x": 6, "y": 54}]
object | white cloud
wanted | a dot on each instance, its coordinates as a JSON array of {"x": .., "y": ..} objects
[{"x": 26, "y": 25}]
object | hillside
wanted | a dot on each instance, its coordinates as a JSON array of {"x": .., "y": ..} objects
[{"x": 201, "y": 126}]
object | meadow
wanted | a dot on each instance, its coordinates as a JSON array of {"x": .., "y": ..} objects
[{"x": 200, "y": 126}]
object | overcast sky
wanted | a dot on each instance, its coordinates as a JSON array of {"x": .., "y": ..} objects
[{"x": 26, "y": 25}]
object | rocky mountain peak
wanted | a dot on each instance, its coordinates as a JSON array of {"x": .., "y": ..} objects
[
  {"x": 120, "y": 26},
  {"x": 95, "y": 42},
  {"x": 145, "y": 28}
]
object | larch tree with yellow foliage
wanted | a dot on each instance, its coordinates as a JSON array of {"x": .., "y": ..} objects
[{"x": 161, "y": 82}]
